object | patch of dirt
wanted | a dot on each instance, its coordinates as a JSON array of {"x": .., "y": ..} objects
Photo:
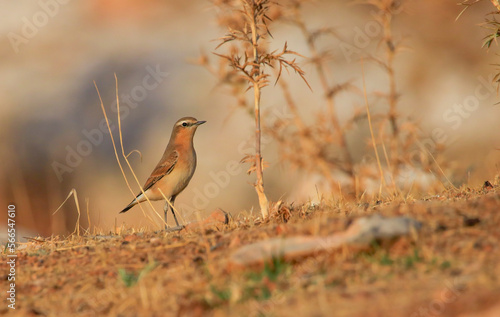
[{"x": 450, "y": 269}]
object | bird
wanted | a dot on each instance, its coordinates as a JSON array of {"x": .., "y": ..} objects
[{"x": 174, "y": 170}]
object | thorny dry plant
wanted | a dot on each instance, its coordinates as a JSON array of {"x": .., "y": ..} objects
[
  {"x": 401, "y": 134},
  {"x": 309, "y": 146},
  {"x": 248, "y": 58},
  {"x": 320, "y": 146},
  {"x": 492, "y": 25}
]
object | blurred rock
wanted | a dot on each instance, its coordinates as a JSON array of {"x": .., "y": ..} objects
[
  {"x": 360, "y": 233},
  {"x": 21, "y": 234},
  {"x": 155, "y": 241},
  {"x": 217, "y": 217}
]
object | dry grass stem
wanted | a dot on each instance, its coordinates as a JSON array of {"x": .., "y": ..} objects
[
  {"x": 77, "y": 204},
  {"x": 116, "y": 151}
]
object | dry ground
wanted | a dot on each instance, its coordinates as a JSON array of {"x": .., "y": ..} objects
[{"x": 451, "y": 269}]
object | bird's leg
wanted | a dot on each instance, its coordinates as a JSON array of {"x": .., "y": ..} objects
[
  {"x": 172, "y": 200},
  {"x": 177, "y": 227},
  {"x": 165, "y": 211}
]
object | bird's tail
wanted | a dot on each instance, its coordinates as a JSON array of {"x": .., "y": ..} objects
[{"x": 132, "y": 204}]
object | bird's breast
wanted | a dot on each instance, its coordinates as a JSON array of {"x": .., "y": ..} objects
[{"x": 175, "y": 182}]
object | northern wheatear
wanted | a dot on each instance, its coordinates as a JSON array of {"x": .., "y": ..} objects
[{"x": 175, "y": 169}]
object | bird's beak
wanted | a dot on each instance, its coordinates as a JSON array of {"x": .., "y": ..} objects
[{"x": 199, "y": 122}]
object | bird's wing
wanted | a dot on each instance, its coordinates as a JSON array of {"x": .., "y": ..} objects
[{"x": 164, "y": 167}]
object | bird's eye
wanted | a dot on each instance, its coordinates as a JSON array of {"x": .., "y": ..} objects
[{"x": 184, "y": 124}]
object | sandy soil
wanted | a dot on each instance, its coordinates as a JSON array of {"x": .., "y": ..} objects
[{"x": 450, "y": 269}]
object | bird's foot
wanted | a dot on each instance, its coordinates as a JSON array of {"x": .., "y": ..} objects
[{"x": 174, "y": 229}]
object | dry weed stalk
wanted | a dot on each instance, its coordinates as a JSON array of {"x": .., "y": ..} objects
[
  {"x": 400, "y": 133},
  {"x": 365, "y": 95},
  {"x": 310, "y": 146},
  {"x": 490, "y": 24},
  {"x": 319, "y": 60},
  {"x": 496, "y": 3},
  {"x": 125, "y": 157},
  {"x": 385, "y": 15},
  {"x": 320, "y": 147},
  {"x": 247, "y": 22},
  {"x": 404, "y": 137}
]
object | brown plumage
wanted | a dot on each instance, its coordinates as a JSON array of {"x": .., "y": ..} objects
[{"x": 175, "y": 168}]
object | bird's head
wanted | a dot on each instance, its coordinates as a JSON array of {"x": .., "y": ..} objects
[{"x": 185, "y": 128}]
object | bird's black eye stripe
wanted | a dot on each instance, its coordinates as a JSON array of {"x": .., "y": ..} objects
[{"x": 184, "y": 124}]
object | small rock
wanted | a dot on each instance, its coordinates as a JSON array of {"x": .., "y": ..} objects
[
  {"x": 470, "y": 222},
  {"x": 235, "y": 242},
  {"x": 217, "y": 217},
  {"x": 130, "y": 237},
  {"x": 487, "y": 185},
  {"x": 155, "y": 241},
  {"x": 440, "y": 227}
]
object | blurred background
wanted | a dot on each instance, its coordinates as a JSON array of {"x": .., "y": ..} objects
[{"x": 54, "y": 139}]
